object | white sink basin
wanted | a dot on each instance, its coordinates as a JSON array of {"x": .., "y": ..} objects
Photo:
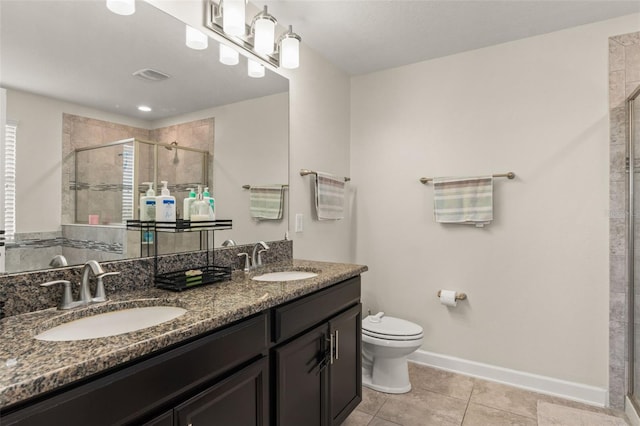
[
  {"x": 285, "y": 276},
  {"x": 111, "y": 323}
]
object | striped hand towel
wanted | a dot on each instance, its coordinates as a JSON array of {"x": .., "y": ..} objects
[
  {"x": 329, "y": 197},
  {"x": 266, "y": 202},
  {"x": 463, "y": 200}
]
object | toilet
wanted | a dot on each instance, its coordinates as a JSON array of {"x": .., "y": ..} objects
[{"x": 386, "y": 343}]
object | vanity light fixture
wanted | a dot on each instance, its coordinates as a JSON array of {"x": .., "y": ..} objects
[
  {"x": 196, "y": 39},
  {"x": 255, "y": 69},
  {"x": 258, "y": 39},
  {"x": 144, "y": 108},
  {"x": 233, "y": 12},
  {"x": 289, "y": 43},
  {"x": 263, "y": 28},
  {"x": 228, "y": 55},
  {"x": 122, "y": 7}
]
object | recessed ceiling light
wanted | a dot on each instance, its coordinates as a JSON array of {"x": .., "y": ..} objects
[{"x": 144, "y": 108}]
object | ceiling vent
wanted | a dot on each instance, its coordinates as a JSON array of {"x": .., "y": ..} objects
[{"x": 150, "y": 75}]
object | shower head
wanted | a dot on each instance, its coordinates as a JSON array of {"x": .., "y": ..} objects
[{"x": 173, "y": 144}]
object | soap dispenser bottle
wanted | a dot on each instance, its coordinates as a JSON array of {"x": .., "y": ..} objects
[
  {"x": 148, "y": 204},
  {"x": 165, "y": 205},
  {"x": 206, "y": 196},
  {"x": 199, "y": 208},
  {"x": 186, "y": 204}
]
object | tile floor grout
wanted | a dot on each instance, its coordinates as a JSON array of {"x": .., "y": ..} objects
[{"x": 437, "y": 396}]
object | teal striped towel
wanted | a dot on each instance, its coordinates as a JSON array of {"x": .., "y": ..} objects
[
  {"x": 463, "y": 200},
  {"x": 266, "y": 202},
  {"x": 329, "y": 197}
]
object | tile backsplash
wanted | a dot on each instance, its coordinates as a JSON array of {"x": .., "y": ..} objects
[{"x": 21, "y": 293}]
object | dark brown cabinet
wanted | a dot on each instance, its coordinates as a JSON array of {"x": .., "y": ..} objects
[
  {"x": 301, "y": 380},
  {"x": 345, "y": 373},
  {"x": 240, "y": 400},
  {"x": 318, "y": 375},
  {"x": 295, "y": 364}
]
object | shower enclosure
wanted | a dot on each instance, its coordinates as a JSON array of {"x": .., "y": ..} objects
[
  {"x": 109, "y": 179},
  {"x": 633, "y": 128}
]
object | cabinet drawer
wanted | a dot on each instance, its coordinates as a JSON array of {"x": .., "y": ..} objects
[
  {"x": 124, "y": 396},
  {"x": 304, "y": 313}
]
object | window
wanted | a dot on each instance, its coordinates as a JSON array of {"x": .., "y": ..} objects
[{"x": 11, "y": 130}]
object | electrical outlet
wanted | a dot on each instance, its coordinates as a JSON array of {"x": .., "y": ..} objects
[{"x": 299, "y": 221}]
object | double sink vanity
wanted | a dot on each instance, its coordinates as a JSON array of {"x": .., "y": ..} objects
[{"x": 277, "y": 346}]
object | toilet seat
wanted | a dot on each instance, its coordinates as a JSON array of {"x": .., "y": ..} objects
[
  {"x": 390, "y": 328},
  {"x": 391, "y": 336}
]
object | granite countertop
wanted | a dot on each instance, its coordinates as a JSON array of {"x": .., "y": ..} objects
[{"x": 29, "y": 367}]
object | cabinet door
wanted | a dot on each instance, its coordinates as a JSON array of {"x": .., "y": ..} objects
[
  {"x": 165, "y": 419},
  {"x": 301, "y": 377},
  {"x": 345, "y": 370},
  {"x": 240, "y": 400}
]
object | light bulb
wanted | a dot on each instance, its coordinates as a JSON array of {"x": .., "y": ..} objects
[
  {"x": 255, "y": 69},
  {"x": 290, "y": 48},
  {"x": 196, "y": 39},
  {"x": 228, "y": 56},
  {"x": 122, "y": 7},
  {"x": 233, "y": 14},
  {"x": 264, "y": 27}
]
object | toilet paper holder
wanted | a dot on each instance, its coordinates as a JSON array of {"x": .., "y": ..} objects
[{"x": 459, "y": 296}]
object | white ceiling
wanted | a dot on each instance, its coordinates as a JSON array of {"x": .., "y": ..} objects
[
  {"x": 80, "y": 52},
  {"x": 362, "y": 36}
]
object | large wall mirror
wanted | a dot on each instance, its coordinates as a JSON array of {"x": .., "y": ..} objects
[{"x": 68, "y": 73}]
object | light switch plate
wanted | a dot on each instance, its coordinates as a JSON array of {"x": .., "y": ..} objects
[{"x": 299, "y": 221}]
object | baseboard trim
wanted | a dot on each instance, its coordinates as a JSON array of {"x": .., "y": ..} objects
[
  {"x": 542, "y": 384},
  {"x": 630, "y": 411}
]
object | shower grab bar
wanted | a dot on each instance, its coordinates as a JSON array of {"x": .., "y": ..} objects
[
  {"x": 304, "y": 172},
  {"x": 509, "y": 175}
]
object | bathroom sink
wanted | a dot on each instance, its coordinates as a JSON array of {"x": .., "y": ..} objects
[
  {"x": 285, "y": 276},
  {"x": 111, "y": 323}
]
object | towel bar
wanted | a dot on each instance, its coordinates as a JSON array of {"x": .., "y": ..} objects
[
  {"x": 249, "y": 186},
  {"x": 509, "y": 175},
  {"x": 459, "y": 296},
  {"x": 304, "y": 172}
]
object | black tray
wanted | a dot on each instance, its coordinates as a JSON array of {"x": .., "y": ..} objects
[
  {"x": 180, "y": 225},
  {"x": 179, "y": 281}
]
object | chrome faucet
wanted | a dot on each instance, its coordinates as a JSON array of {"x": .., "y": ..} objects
[
  {"x": 58, "y": 261},
  {"x": 85, "y": 294},
  {"x": 228, "y": 243},
  {"x": 93, "y": 266},
  {"x": 256, "y": 258}
]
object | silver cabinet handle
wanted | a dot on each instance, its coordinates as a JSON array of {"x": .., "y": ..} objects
[
  {"x": 336, "y": 344},
  {"x": 331, "y": 347}
]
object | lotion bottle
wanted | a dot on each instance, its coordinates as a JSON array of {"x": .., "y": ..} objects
[
  {"x": 165, "y": 205},
  {"x": 186, "y": 205},
  {"x": 206, "y": 196},
  {"x": 148, "y": 204},
  {"x": 199, "y": 208}
]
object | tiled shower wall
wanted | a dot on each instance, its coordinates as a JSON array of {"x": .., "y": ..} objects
[
  {"x": 624, "y": 77},
  {"x": 84, "y": 132}
]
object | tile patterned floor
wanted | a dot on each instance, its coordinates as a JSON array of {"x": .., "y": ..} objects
[{"x": 448, "y": 399}]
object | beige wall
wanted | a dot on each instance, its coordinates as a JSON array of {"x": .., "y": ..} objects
[
  {"x": 39, "y": 155},
  {"x": 247, "y": 154},
  {"x": 318, "y": 137},
  {"x": 537, "y": 277}
]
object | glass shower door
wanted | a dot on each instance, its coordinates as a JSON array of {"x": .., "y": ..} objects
[{"x": 633, "y": 116}]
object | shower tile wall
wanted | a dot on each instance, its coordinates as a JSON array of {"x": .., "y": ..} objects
[
  {"x": 81, "y": 132},
  {"x": 624, "y": 77},
  {"x": 197, "y": 134}
]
